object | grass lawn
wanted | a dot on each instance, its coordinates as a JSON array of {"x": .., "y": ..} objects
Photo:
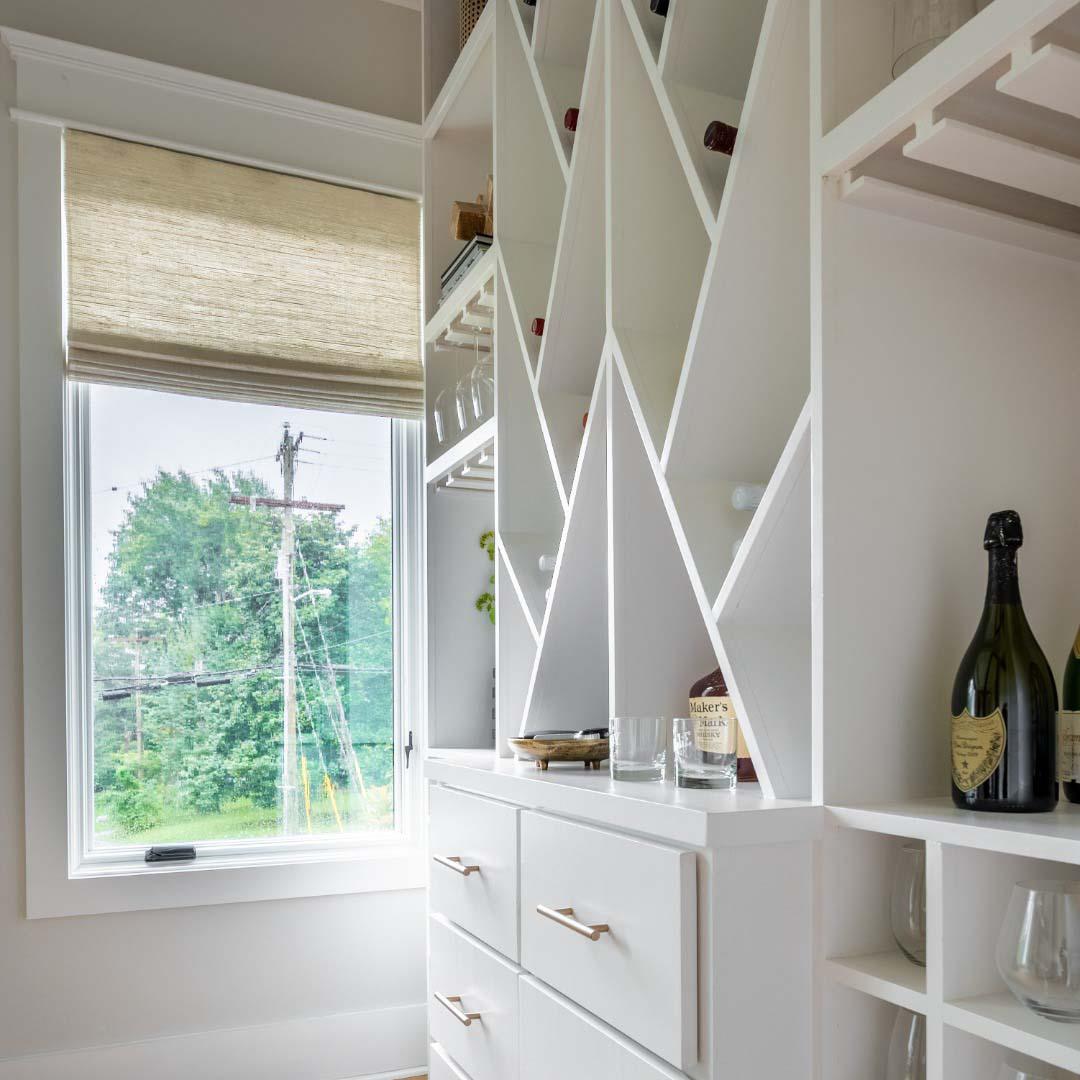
[{"x": 241, "y": 820}]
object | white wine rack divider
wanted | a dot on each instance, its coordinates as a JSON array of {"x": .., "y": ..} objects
[{"x": 626, "y": 238}]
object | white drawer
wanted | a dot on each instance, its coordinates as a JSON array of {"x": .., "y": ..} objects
[
  {"x": 474, "y": 832},
  {"x": 640, "y": 974},
  {"x": 440, "y": 1067},
  {"x": 562, "y": 1042},
  {"x": 486, "y": 987}
]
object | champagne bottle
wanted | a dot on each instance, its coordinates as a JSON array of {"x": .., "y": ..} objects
[
  {"x": 1004, "y": 699},
  {"x": 712, "y": 709},
  {"x": 570, "y": 119},
  {"x": 1069, "y": 726},
  {"x": 721, "y": 137},
  {"x": 659, "y": 7}
]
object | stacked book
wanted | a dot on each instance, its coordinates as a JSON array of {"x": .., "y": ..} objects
[{"x": 463, "y": 262}]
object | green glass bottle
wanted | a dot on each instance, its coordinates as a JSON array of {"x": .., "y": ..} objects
[
  {"x": 1069, "y": 726},
  {"x": 1004, "y": 702}
]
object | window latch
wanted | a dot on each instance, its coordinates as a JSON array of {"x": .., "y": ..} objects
[
  {"x": 408, "y": 750},
  {"x": 172, "y": 853}
]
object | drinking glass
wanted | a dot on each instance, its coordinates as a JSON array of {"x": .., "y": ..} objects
[
  {"x": 907, "y": 1048},
  {"x": 440, "y": 414},
  {"x": 1038, "y": 950},
  {"x": 462, "y": 407},
  {"x": 702, "y": 760},
  {"x": 638, "y": 748},
  {"x": 482, "y": 388},
  {"x": 919, "y": 26},
  {"x": 907, "y": 907}
]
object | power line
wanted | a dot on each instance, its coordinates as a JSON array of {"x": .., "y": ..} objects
[{"x": 113, "y": 488}]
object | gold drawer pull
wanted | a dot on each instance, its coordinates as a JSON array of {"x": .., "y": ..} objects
[
  {"x": 453, "y": 1005},
  {"x": 453, "y": 862},
  {"x": 565, "y": 917}
]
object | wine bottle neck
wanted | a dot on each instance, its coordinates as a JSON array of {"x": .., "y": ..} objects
[{"x": 1003, "y": 579}]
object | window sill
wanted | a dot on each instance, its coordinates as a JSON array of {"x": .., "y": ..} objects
[{"x": 225, "y": 879}]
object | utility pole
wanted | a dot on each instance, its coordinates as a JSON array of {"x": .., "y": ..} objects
[{"x": 286, "y": 456}]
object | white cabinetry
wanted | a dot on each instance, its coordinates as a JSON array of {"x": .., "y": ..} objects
[{"x": 643, "y": 955}]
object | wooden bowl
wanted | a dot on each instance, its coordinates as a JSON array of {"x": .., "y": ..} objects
[{"x": 588, "y": 751}]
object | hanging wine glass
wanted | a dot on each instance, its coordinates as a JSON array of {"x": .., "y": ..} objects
[
  {"x": 461, "y": 404},
  {"x": 440, "y": 415},
  {"x": 482, "y": 385}
]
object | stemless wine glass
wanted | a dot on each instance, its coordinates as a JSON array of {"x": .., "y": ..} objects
[
  {"x": 1038, "y": 950},
  {"x": 907, "y": 1048},
  {"x": 638, "y": 749},
  {"x": 907, "y": 908},
  {"x": 919, "y": 26}
]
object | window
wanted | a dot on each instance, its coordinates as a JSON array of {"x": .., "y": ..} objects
[
  {"x": 242, "y": 684},
  {"x": 243, "y": 374}
]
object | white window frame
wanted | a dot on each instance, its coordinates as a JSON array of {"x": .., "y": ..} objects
[{"x": 61, "y": 86}]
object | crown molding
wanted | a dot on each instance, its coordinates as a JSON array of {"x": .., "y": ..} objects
[{"x": 25, "y": 46}]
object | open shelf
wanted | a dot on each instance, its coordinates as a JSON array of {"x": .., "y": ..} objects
[
  {"x": 706, "y": 67},
  {"x": 1000, "y": 1018},
  {"x": 477, "y": 287},
  {"x": 561, "y": 41},
  {"x": 576, "y": 312},
  {"x": 653, "y": 27},
  {"x": 763, "y": 616},
  {"x": 890, "y": 976},
  {"x": 568, "y": 687},
  {"x": 475, "y": 450},
  {"x": 456, "y": 93},
  {"x": 515, "y": 654},
  {"x": 661, "y": 638},
  {"x": 658, "y": 242}
]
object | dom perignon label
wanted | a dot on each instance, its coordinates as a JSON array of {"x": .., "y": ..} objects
[
  {"x": 1068, "y": 746},
  {"x": 715, "y": 724},
  {"x": 978, "y": 743}
]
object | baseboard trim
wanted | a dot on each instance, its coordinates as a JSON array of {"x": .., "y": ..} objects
[{"x": 369, "y": 1045}]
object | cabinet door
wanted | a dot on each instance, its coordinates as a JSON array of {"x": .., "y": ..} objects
[
  {"x": 640, "y": 972},
  {"x": 469, "y": 831},
  {"x": 473, "y": 1012},
  {"x": 562, "y": 1042}
]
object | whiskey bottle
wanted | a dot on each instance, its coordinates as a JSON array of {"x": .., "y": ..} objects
[
  {"x": 1004, "y": 699},
  {"x": 716, "y": 723}
]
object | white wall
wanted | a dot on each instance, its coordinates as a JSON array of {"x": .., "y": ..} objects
[
  {"x": 360, "y": 53},
  {"x": 79, "y": 982}
]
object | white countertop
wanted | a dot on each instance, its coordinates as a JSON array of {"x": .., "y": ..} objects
[{"x": 663, "y": 811}]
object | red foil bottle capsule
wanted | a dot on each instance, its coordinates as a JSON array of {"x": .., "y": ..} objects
[
  {"x": 721, "y": 137},
  {"x": 570, "y": 120},
  {"x": 538, "y": 326}
]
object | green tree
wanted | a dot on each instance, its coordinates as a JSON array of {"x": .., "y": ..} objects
[{"x": 191, "y": 589}]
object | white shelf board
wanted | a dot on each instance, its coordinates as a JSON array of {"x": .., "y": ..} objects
[
  {"x": 973, "y": 49},
  {"x": 897, "y": 200},
  {"x": 1000, "y": 1018},
  {"x": 465, "y": 290},
  {"x": 890, "y": 976},
  {"x": 661, "y": 810},
  {"x": 1049, "y": 77},
  {"x": 1055, "y": 835},
  {"x": 470, "y": 444},
  {"x": 1001, "y": 159},
  {"x": 462, "y": 74}
]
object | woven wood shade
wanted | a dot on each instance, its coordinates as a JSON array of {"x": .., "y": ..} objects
[{"x": 198, "y": 276}]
